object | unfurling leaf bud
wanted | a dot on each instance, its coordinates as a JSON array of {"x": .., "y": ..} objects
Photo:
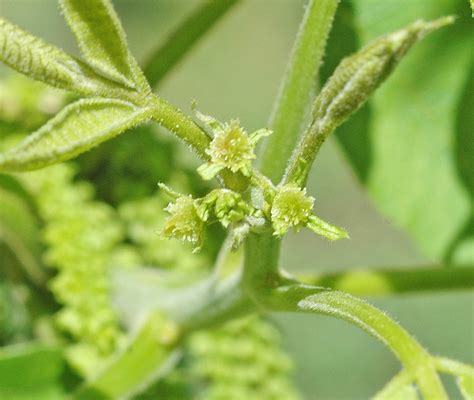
[
  {"x": 292, "y": 208},
  {"x": 358, "y": 75}
]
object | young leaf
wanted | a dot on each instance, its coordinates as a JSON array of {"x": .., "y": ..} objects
[
  {"x": 357, "y": 76},
  {"x": 76, "y": 129},
  {"x": 101, "y": 39},
  {"x": 39, "y": 60}
]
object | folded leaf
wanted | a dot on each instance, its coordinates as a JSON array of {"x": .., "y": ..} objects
[
  {"x": 76, "y": 129},
  {"x": 41, "y": 61},
  {"x": 358, "y": 75},
  {"x": 101, "y": 38}
]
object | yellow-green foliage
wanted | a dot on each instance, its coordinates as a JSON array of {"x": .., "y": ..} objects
[{"x": 242, "y": 360}]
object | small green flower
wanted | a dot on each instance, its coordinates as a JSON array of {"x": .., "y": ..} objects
[
  {"x": 292, "y": 208},
  {"x": 184, "y": 223},
  {"x": 230, "y": 148},
  {"x": 226, "y": 206}
]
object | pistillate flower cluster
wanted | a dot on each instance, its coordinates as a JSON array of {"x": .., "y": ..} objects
[{"x": 279, "y": 207}]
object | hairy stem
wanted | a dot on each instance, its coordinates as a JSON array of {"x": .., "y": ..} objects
[
  {"x": 393, "y": 387},
  {"x": 303, "y": 156},
  {"x": 262, "y": 252},
  {"x": 453, "y": 367},
  {"x": 387, "y": 282},
  {"x": 213, "y": 304},
  {"x": 417, "y": 362},
  {"x": 298, "y": 86},
  {"x": 181, "y": 125},
  {"x": 184, "y": 37}
]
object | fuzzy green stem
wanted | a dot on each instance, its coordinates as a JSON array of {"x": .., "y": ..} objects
[
  {"x": 453, "y": 367},
  {"x": 262, "y": 252},
  {"x": 212, "y": 304},
  {"x": 181, "y": 125},
  {"x": 387, "y": 282},
  {"x": 304, "y": 154},
  {"x": 304, "y": 298},
  {"x": 184, "y": 37},
  {"x": 298, "y": 86},
  {"x": 393, "y": 387}
]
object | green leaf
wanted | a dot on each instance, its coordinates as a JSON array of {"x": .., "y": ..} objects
[
  {"x": 466, "y": 386},
  {"x": 101, "y": 39},
  {"x": 39, "y": 60},
  {"x": 410, "y": 170},
  {"x": 76, "y": 129},
  {"x": 31, "y": 372}
]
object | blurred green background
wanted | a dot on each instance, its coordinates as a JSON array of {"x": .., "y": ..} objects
[{"x": 235, "y": 72}]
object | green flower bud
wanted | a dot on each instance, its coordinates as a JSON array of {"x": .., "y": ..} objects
[
  {"x": 231, "y": 147},
  {"x": 227, "y": 206},
  {"x": 184, "y": 223},
  {"x": 292, "y": 208}
]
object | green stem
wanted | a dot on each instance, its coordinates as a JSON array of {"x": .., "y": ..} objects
[
  {"x": 303, "y": 156},
  {"x": 298, "y": 85},
  {"x": 392, "y": 388},
  {"x": 173, "y": 119},
  {"x": 387, "y": 282},
  {"x": 304, "y": 298},
  {"x": 260, "y": 274},
  {"x": 210, "y": 304},
  {"x": 184, "y": 37},
  {"x": 183, "y": 127},
  {"x": 453, "y": 367}
]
